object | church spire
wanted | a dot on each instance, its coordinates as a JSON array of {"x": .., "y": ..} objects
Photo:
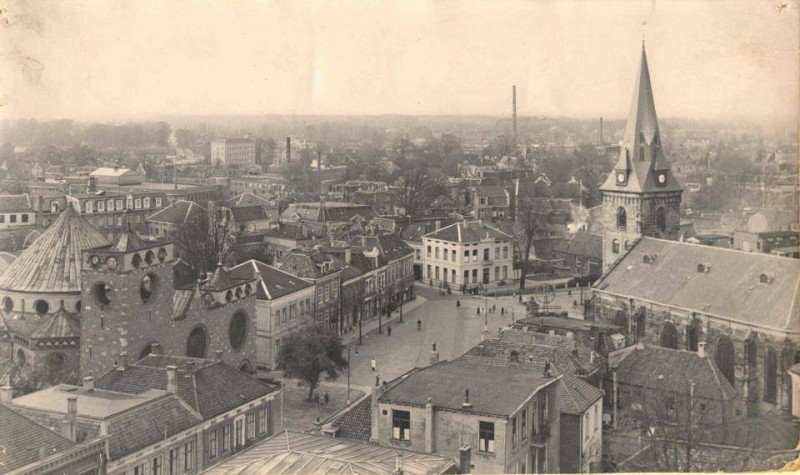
[{"x": 641, "y": 157}]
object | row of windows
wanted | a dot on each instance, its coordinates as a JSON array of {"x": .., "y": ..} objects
[
  {"x": 244, "y": 429},
  {"x": 290, "y": 313},
  {"x": 111, "y": 205},
  {"x": 452, "y": 254},
  {"x": 500, "y": 273},
  {"x": 661, "y": 219},
  {"x": 180, "y": 460},
  {"x": 12, "y": 218}
]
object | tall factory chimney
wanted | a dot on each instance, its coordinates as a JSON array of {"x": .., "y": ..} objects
[
  {"x": 288, "y": 149},
  {"x": 514, "y": 113},
  {"x": 602, "y": 142}
]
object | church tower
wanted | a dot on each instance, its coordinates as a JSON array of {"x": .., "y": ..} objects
[{"x": 641, "y": 196}]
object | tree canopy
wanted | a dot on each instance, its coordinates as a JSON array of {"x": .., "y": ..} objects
[{"x": 309, "y": 353}]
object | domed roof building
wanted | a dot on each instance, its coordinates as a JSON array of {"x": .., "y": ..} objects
[
  {"x": 40, "y": 300},
  {"x": 48, "y": 271}
]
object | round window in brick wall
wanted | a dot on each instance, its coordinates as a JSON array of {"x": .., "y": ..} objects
[
  {"x": 237, "y": 330},
  {"x": 147, "y": 287},
  {"x": 8, "y": 304},
  {"x": 41, "y": 307},
  {"x": 102, "y": 293}
]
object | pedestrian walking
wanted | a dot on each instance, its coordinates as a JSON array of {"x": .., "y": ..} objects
[
  {"x": 389, "y": 330},
  {"x": 502, "y": 311},
  {"x": 372, "y": 362},
  {"x": 419, "y": 325}
]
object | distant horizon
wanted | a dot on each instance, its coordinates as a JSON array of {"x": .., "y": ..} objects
[{"x": 115, "y": 60}]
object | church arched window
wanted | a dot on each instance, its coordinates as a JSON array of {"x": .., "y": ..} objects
[
  {"x": 661, "y": 219},
  {"x": 622, "y": 218},
  {"x": 725, "y": 357}
]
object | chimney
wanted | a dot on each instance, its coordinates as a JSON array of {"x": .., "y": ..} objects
[
  {"x": 190, "y": 368},
  {"x": 701, "y": 349},
  {"x": 465, "y": 459},
  {"x": 88, "y": 383},
  {"x": 70, "y": 429},
  {"x": 6, "y": 394},
  {"x": 430, "y": 443},
  {"x": 466, "y": 404},
  {"x": 347, "y": 255},
  {"x": 172, "y": 379},
  {"x": 123, "y": 361},
  {"x": 513, "y": 357},
  {"x": 514, "y": 114},
  {"x": 434, "y": 355},
  {"x": 288, "y": 149},
  {"x": 218, "y": 356},
  {"x": 376, "y": 393}
]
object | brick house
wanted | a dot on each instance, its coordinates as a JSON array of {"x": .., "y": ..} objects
[
  {"x": 324, "y": 270},
  {"x": 510, "y": 417}
]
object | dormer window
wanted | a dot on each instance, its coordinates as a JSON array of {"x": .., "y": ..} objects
[
  {"x": 649, "y": 259},
  {"x": 766, "y": 278},
  {"x": 703, "y": 268}
]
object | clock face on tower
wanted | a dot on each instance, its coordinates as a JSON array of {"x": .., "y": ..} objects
[
  {"x": 620, "y": 178},
  {"x": 662, "y": 178}
]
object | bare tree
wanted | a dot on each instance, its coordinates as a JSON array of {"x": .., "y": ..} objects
[
  {"x": 530, "y": 223},
  {"x": 206, "y": 239},
  {"x": 414, "y": 181}
]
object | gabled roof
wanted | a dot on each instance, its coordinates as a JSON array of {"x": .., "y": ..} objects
[
  {"x": 491, "y": 192},
  {"x": 248, "y": 199},
  {"x": 581, "y": 244},
  {"x": 468, "y": 232},
  {"x": 248, "y": 213},
  {"x": 290, "y": 231},
  {"x": 128, "y": 241},
  {"x": 61, "y": 324},
  {"x": 641, "y": 151},
  {"x": 274, "y": 284},
  {"x": 15, "y": 203},
  {"x": 644, "y": 366},
  {"x": 53, "y": 262},
  {"x": 307, "y": 263},
  {"x": 494, "y": 390},
  {"x": 732, "y": 288},
  {"x": 221, "y": 279},
  {"x": 392, "y": 247},
  {"x": 299, "y": 452},
  {"x": 211, "y": 388},
  {"x": 112, "y": 172},
  {"x": 178, "y": 213},
  {"x": 21, "y": 439}
]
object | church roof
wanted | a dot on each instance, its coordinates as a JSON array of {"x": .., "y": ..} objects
[
  {"x": 61, "y": 324},
  {"x": 53, "y": 262},
  {"x": 641, "y": 153},
  {"x": 220, "y": 280},
  {"x": 128, "y": 241},
  {"x": 755, "y": 289}
]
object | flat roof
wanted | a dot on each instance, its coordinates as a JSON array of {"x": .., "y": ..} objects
[{"x": 95, "y": 404}]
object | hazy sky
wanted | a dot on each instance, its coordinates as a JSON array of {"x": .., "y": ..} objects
[{"x": 116, "y": 59}]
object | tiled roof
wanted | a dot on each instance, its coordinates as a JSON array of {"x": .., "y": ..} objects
[
  {"x": 128, "y": 241},
  {"x": 297, "y": 452},
  {"x": 220, "y": 280},
  {"x": 248, "y": 213},
  {"x": 290, "y": 231},
  {"x": 15, "y": 203},
  {"x": 356, "y": 423},
  {"x": 392, "y": 247},
  {"x": 61, "y": 324},
  {"x": 490, "y": 191},
  {"x": 211, "y": 389},
  {"x": 21, "y": 439},
  {"x": 177, "y": 213},
  {"x": 181, "y": 302},
  {"x": 275, "y": 283},
  {"x": 148, "y": 424},
  {"x": 53, "y": 262},
  {"x": 581, "y": 244},
  {"x": 306, "y": 263},
  {"x": 577, "y": 396},
  {"x": 643, "y": 367},
  {"x": 732, "y": 288},
  {"x": 496, "y": 390},
  {"x": 414, "y": 232},
  {"x": 6, "y": 258},
  {"x": 248, "y": 199},
  {"x": 468, "y": 232},
  {"x": 534, "y": 350}
]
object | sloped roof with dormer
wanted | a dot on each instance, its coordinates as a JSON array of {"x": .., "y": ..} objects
[
  {"x": 61, "y": 324},
  {"x": 729, "y": 285},
  {"x": 53, "y": 262},
  {"x": 220, "y": 280},
  {"x": 274, "y": 284},
  {"x": 178, "y": 213}
]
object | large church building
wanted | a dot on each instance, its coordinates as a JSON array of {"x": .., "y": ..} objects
[{"x": 744, "y": 306}]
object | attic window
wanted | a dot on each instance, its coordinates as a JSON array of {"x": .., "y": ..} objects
[
  {"x": 766, "y": 278},
  {"x": 703, "y": 268},
  {"x": 649, "y": 259}
]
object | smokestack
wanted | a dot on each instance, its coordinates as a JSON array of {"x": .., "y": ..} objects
[
  {"x": 288, "y": 149},
  {"x": 430, "y": 443},
  {"x": 601, "y": 132},
  {"x": 88, "y": 383},
  {"x": 376, "y": 394},
  {"x": 514, "y": 113},
  {"x": 172, "y": 379}
]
